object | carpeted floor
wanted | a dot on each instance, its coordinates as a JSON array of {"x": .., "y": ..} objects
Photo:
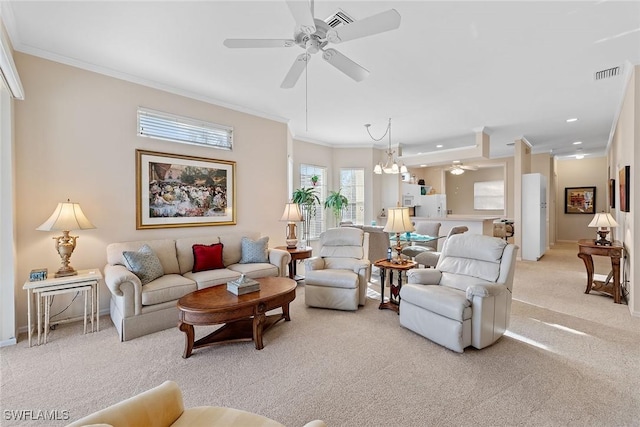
[{"x": 568, "y": 359}]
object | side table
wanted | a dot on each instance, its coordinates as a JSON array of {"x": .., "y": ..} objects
[
  {"x": 296, "y": 254},
  {"x": 394, "y": 290},
  {"x": 587, "y": 248},
  {"x": 85, "y": 281}
]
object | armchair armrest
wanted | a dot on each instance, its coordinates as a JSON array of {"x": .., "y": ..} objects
[
  {"x": 361, "y": 264},
  {"x": 486, "y": 290},
  {"x": 315, "y": 263},
  {"x": 281, "y": 259},
  {"x": 424, "y": 276}
]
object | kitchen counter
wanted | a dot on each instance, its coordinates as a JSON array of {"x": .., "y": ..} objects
[{"x": 477, "y": 224}]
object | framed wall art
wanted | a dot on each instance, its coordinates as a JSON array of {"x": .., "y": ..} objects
[
  {"x": 580, "y": 200},
  {"x": 612, "y": 193},
  {"x": 624, "y": 177},
  {"x": 175, "y": 190}
]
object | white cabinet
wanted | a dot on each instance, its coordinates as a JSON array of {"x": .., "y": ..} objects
[
  {"x": 432, "y": 206},
  {"x": 534, "y": 216}
]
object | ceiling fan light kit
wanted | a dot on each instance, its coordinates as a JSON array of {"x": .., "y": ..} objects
[
  {"x": 313, "y": 35},
  {"x": 457, "y": 168}
]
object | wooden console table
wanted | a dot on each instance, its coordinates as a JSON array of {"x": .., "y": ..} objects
[{"x": 587, "y": 248}]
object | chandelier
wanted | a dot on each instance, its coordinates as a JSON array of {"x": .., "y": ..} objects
[{"x": 392, "y": 166}]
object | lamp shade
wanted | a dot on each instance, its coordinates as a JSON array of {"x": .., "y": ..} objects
[
  {"x": 66, "y": 217},
  {"x": 603, "y": 219},
  {"x": 291, "y": 212},
  {"x": 398, "y": 221}
]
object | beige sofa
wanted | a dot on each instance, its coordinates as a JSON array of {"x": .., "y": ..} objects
[
  {"x": 138, "y": 310},
  {"x": 162, "y": 406}
]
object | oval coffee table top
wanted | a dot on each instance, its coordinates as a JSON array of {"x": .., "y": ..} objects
[{"x": 217, "y": 297}]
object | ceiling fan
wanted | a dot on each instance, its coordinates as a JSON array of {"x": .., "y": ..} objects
[
  {"x": 457, "y": 168},
  {"x": 313, "y": 35}
]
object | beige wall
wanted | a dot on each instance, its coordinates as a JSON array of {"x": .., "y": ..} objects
[
  {"x": 76, "y": 138},
  {"x": 459, "y": 190},
  {"x": 623, "y": 152},
  {"x": 580, "y": 173}
]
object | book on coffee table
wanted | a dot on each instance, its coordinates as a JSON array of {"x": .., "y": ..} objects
[{"x": 242, "y": 286}]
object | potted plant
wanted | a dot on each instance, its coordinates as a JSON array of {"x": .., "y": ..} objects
[
  {"x": 337, "y": 202},
  {"x": 314, "y": 180},
  {"x": 308, "y": 200}
]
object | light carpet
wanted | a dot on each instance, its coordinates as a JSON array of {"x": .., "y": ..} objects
[{"x": 567, "y": 359}]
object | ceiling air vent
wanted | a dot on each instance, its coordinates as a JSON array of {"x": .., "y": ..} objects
[
  {"x": 339, "y": 18},
  {"x": 608, "y": 73}
]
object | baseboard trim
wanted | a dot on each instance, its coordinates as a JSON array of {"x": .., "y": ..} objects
[{"x": 7, "y": 343}]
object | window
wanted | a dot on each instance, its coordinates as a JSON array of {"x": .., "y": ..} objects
[
  {"x": 488, "y": 195},
  {"x": 169, "y": 127},
  {"x": 317, "y": 223},
  {"x": 352, "y": 185}
]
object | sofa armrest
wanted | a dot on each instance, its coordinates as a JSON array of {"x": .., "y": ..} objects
[
  {"x": 486, "y": 290},
  {"x": 281, "y": 259},
  {"x": 126, "y": 285},
  {"x": 424, "y": 276},
  {"x": 315, "y": 263}
]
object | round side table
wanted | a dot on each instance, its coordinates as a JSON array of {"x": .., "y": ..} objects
[{"x": 296, "y": 254}]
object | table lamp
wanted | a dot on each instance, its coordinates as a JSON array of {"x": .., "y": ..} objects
[
  {"x": 603, "y": 221},
  {"x": 67, "y": 216},
  {"x": 398, "y": 222},
  {"x": 291, "y": 214}
]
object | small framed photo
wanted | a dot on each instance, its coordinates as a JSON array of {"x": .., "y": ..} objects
[
  {"x": 38, "y": 274},
  {"x": 580, "y": 200}
]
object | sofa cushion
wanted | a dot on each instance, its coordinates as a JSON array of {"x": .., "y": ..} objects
[
  {"x": 255, "y": 250},
  {"x": 144, "y": 263},
  {"x": 256, "y": 269},
  {"x": 207, "y": 257},
  {"x": 205, "y": 279},
  {"x": 332, "y": 278},
  {"x": 169, "y": 287}
]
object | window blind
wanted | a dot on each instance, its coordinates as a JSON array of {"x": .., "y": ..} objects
[{"x": 170, "y": 127}]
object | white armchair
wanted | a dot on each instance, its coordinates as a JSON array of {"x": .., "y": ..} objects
[
  {"x": 466, "y": 299},
  {"x": 337, "y": 278}
]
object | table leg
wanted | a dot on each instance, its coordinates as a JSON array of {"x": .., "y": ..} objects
[
  {"x": 39, "y": 302},
  {"x": 291, "y": 270},
  {"x": 588, "y": 263},
  {"x": 84, "y": 318},
  {"x": 46, "y": 317},
  {"x": 258, "y": 324},
  {"x": 615, "y": 266},
  {"x": 382, "y": 277},
  {"x": 29, "y": 324},
  {"x": 98, "y": 306},
  {"x": 188, "y": 339},
  {"x": 285, "y": 312}
]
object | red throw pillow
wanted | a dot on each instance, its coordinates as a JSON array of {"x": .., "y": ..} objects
[{"x": 207, "y": 257}]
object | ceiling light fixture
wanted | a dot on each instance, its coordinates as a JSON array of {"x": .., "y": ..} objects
[
  {"x": 574, "y": 119},
  {"x": 439, "y": 146},
  {"x": 577, "y": 143},
  {"x": 392, "y": 166},
  {"x": 457, "y": 170}
]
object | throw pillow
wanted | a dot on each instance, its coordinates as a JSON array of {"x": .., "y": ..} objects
[
  {"x": 207, "y": 257},
  {"x": 255, "y": 251},
  {"x": 144, "y": 263}
]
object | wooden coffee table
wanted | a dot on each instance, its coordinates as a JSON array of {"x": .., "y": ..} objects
[{"x": 243, "y": 316}]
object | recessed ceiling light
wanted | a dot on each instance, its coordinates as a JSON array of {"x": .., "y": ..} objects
[
  {"x": 577, "y": 143},
  {"x": 572, "y": 120},
  {"x": 580, "y": 156},
  {"x": 439, "y": 146},
  {"x": 423, "y": 166}
]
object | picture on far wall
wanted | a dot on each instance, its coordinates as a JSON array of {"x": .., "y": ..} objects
[
  {"x": 580, "y": 200},
  {"x": 612, "y": 193},
  {"x": 624, "y": 176},
  {"x": 183, "y": 191}
]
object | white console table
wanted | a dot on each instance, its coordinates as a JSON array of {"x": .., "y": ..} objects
[{"x": 86, "y": 281}]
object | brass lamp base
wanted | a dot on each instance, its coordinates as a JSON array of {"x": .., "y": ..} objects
[
  {"x": 65, "y": 245},
  {"x": 398, "y": 248},
  {"x": 292, "y": 240}
]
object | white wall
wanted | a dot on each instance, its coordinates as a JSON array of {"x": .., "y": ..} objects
[{"x": 76, "y": 138}]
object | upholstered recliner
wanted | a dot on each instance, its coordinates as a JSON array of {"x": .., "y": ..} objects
[
  {"x": 466, "y": 299},
  {"x": 430, "y": 258},
  {"x": 337, "y": 278}
]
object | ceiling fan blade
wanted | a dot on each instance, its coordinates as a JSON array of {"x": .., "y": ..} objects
[
  {"x": 379, "y": 23},
  {"x": 344, "y": 64},
  {"x": 249, "y": 43},
  {"x": 301, "y": 12},
  {"x": 296, "y": 69}
]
